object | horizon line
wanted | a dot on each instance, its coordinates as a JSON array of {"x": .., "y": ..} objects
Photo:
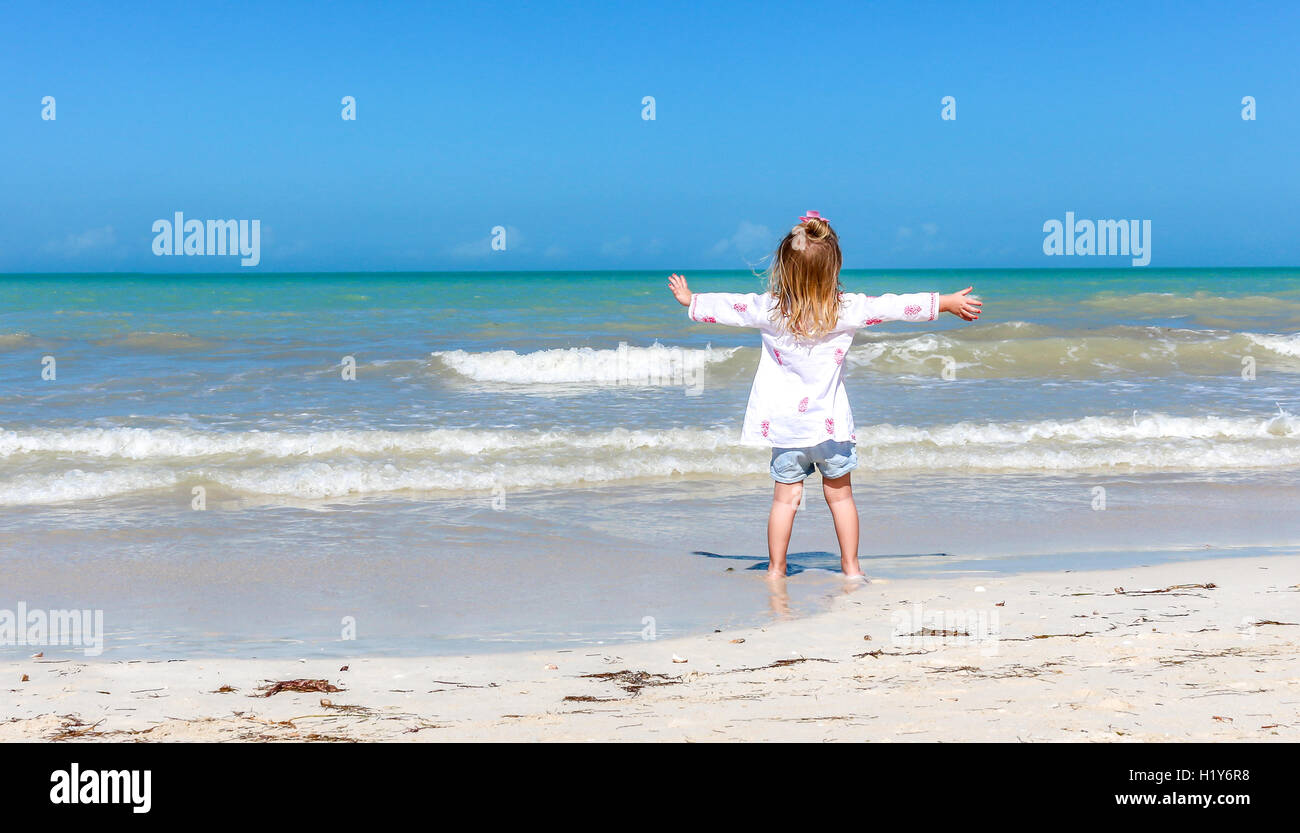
[{"x": 667, "y": 270}]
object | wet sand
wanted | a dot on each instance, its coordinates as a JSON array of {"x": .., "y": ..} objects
[{"x": 1204, "y": 650}]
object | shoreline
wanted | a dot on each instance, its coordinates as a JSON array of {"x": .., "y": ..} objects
[{"x": 1079, "y": 655}]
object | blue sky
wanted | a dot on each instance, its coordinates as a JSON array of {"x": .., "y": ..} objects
[{"x": 471, "y": 116}]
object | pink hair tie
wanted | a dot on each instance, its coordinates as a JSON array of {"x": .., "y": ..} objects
[{"x": 813, "y": 215}]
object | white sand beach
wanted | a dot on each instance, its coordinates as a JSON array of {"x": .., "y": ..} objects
[{"x": 1079, "y": 656}]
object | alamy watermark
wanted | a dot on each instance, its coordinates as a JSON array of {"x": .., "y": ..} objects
[
  {"x": 131, "y": 787},
  {"x": 660, "y": 367},
  {"x": 917, "y": 627},
  {"x": 179, "y": 236},
  {"x": 43, "y": 628},
  {"x": 1126, "y": 238}
]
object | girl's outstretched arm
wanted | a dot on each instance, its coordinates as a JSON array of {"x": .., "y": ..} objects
[
  {"x": 865, "y": 310},
  {"x": 728, "y": 308}
]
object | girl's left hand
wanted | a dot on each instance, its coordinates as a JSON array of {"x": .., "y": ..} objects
[
  {"x": 680, "y": 290},
  {"x": 967, "y": 309}
]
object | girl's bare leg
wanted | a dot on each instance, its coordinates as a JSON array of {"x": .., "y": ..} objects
[
  {"x": 780, "y": 521},
  {"x": 839, "y": 497}
]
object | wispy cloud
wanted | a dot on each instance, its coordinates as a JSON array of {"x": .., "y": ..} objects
[
  {"x": 927, "y": 240},
  {"x": 476, "y": 248},
  {"x": 616, "y": 248},
  {"x": 750, "y": 240},
  {"x": 91, "y": 241}
]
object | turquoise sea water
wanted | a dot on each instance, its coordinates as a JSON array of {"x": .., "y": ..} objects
[{"x": 510, "y": 427}]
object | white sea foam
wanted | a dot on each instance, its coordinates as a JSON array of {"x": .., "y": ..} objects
[
  {"x": 1149, "y": 351},
  {"x": 78, "y": 485},
  {"x": 1282, "y": 345},
  {"x": 170, "y": 444},
  {"x": 1117, "y": 350},
  {"x": 50, "y": 466},
  {"x": 1087, "y": 430},
  {"x": 656, "y": 365}
]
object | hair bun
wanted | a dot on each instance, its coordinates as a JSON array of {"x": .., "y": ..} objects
[{"x": 816, "y": 228}]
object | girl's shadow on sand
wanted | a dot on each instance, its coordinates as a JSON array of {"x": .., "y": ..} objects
[{"x": 798, "y": 562}]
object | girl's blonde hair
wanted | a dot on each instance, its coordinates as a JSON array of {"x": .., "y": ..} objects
[{"x": 804, "y": 279}]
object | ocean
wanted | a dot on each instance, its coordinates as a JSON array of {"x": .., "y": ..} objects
[{"x": 296, "y": 464}]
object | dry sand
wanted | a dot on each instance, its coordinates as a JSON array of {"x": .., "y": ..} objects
[{"x": 1075, "y": 660}]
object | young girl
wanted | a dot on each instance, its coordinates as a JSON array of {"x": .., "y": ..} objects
[{"x": 798, "y": 404}]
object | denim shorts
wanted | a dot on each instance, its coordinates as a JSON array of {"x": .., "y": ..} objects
[{"x": 793, "y": 465}]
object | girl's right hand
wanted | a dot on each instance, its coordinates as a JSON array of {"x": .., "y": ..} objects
[{"x": 680, "y": 290}]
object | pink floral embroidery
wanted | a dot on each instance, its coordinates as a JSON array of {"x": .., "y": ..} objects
[
  {"x": 766, "y": 425},
  {"x": 853, "y": 437},
  {"x": 709, "y": 319},
  {"x": 739, "y": 307},
  {"x": 911, "y": 309},
  {"x": 830, "y": 426},
  {"x": 803, "y": 404},
  {"x": 839, "y": 356},
  {"x": 777, "y": 355},
  {"x": 871, "y": 321}
]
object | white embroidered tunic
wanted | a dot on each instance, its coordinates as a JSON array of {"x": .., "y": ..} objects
[{"x": 798, "y": 398}]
